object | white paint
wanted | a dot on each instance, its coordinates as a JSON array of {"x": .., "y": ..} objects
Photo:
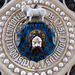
[
  {"x": 4, "y": 18},
  {"x": 43, "y": 73},
  {"x": 36, "y": 74},
  {"x": 41, "y": 2},
  {"x": 45, "y": 66},
  {"x": 11, "y": 66},
  {"x": 6, "y": 61},
  {"x": 52, "y": 6},
  {"x": 70, "y": 48},
  {"x": 15, "y": 55},
  {"x": 8, "y": 34},
  {"x": 1, "y": 49},
  {"x": 9, "y": 29},
  {"x": 25, "y": 62},
  {"x": 13, "y": 21},
  {"x": 49, "y": 72},
  {"x": 62, "y": 44},
  {"x": 66, "y": 18},
  {"x": 37, "y": 41},
  {"x": 23, "y": 3},
  {"x": 48, "y": 62},
  {"x": 63, "y": 37},
  {"x": 47, "y": 3},
  {"x": 34, "y": 12},
  {"x": 68, "y": 54},
  {"x": 30, "y": 73},
  {"x": 60, "y": 49},
  {"x": 58, "y": 9},
  {"x": 9, "y": 41},
  {"x": 8, "y": 13},
  {"x": 1, "y": 24},
  {"x": 14, "y": 17},
  {"x": 0, "y": 42},
  {"x": 57, "y": 53},
  {"x": 71, "y": 36},
  {"x": 23, "y": 73},
  {"x": 71, "y": 30},
  {"x": 71, "y": 41},
  {"x": 35, "y": 1},
  {"x": 9, "y": 44},
  {"x": 69, "y": 24},
  {"x": 39, "y": 67},
  {"x": 57, "y": 19},
  {"x": 16, "y": 70},
  {"x": 12, "y": 51},
  {"x": 51, "y": 59},
  {"x": 33, "y": 67},
  {"x": 18, "y": 6},
  {"x": 61, "y": 29},
  {"x": 65, "y": 59},
  {"x": 55, "y": 69},
  {"x": 29, "y": 67},
  {"x": 10, "y": 24},
  {"x": 13, "y": 9},
  {"x": 0, "y": 36},
  {"x": 60, "y": 65},
  {"x": 29, "y": 2},
  {"x": 62, "y": 13},
  {"x": 18, "y": 59},
  {"x": 55, "y": 56},
  {"x": 2, "y": 55}
]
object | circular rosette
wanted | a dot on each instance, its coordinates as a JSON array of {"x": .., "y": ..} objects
[{"x": 36, "y": 41}]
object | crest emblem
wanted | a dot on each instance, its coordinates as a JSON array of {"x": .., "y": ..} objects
[
  {"x": 36, "y": 41},
  {"x": 36, "y": 38}
]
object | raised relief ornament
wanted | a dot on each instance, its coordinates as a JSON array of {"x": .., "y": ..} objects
[{"x": 36, "y": 38}]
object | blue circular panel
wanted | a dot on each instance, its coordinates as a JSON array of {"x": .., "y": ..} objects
[{"x": 24, "y": 46}]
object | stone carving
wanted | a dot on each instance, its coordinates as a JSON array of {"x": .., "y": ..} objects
[
  {"x": 33, "y": 12},
  {"x": 37, "y": 41}
]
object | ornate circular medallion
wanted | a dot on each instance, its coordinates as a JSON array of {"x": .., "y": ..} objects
[{"x": 36, "y": 38}]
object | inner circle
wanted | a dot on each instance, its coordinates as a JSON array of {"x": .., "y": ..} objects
[{"x": 36, "y": 41}]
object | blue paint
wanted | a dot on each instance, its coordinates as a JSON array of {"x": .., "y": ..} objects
[{"x": 22, "y": 44}]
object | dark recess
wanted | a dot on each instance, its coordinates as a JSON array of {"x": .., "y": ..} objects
[
  {"x": 0, "y": 73},
  {"x": 61, "y": 1},
  {"x": 2, "y": 2}
]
